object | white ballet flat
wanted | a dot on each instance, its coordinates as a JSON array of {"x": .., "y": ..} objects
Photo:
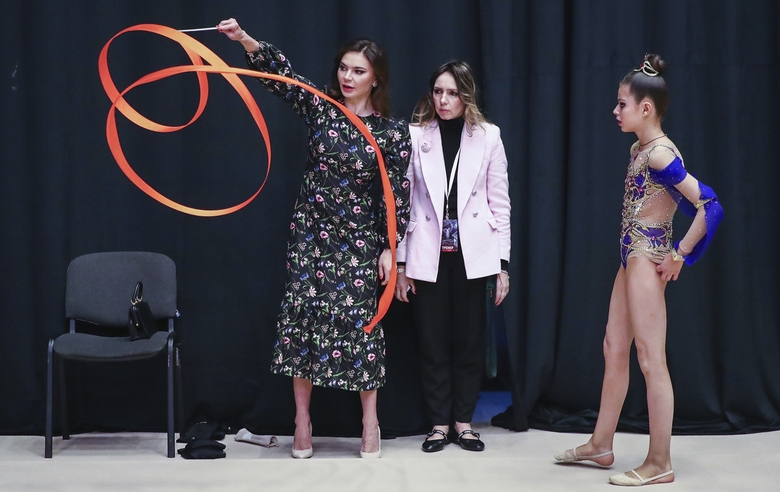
[
  {"x": 375, "y": 454},
  {"x": 303, "y": 453},
  {"x": 567, "y": 457},
  {"x": 624, "y": 479}
]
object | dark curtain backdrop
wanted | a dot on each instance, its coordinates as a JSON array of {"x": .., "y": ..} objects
[{"x": 548, "y": 71}]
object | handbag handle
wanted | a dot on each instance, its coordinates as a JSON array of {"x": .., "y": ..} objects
[{"x": 138, "y": 293}]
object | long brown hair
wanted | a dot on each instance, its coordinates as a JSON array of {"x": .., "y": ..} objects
[
  {"x": 425, "y": 111},
  {"x": 380, "y": 95}
]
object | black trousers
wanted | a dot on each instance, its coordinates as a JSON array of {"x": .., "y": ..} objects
[{"x": 450, "y": 315}]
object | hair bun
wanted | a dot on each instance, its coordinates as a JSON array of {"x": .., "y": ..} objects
[{"x": 655, "y": 61}]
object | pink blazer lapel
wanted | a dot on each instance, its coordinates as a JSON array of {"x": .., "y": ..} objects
[
  {"x": 432, "y": 165},
  {"x": 472, "y": 151}
]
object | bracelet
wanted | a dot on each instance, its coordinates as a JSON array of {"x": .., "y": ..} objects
[
  {"x": 506, "y": 273},
  {"x": 400, "y": 269},
  {"x": 677, "y": 256}
]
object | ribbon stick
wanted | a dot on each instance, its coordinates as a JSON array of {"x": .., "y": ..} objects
[
  {"x": 197, "y": 53},
  {"x": 199, "y": 29}
]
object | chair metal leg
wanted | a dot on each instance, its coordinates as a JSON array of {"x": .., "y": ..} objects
[
  {"x": 171, "y": 446},
  {"x": 63, "y": 401},
  {"x": 179, "y": 390},
  {"x": 49, "y": 399}
]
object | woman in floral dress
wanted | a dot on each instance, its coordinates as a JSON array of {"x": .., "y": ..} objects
[{"x": 338, "y": 252}]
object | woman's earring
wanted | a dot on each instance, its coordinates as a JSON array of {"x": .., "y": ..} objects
[{"x": 374, "y": 84}]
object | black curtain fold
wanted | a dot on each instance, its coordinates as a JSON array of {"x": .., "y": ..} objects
[{"x": 548, "y": 73}]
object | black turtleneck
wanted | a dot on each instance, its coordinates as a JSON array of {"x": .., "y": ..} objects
[{"x": 451, "y": 131}]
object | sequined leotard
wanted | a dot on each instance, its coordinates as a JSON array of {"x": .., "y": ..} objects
[{"x": 648, "y": 209}]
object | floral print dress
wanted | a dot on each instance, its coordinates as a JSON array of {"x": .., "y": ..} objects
[{"x": 336, "y": 235}]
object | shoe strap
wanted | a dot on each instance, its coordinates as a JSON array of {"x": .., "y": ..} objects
[
  {"x": 591, "y": 457},
  {"x": 652, "y": 479},
  {"x": 437, "y": 431},
  {"x": 468, "y": 431},
  {"x": 641, "y": 480}
]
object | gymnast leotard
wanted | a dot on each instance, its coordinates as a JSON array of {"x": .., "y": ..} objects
[{"x": 648, "y": 209}]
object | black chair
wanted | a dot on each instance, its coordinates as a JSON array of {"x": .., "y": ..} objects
[{"x": 97, "y": 295}]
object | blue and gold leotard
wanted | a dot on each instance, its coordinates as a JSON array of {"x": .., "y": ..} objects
[
  {"x": 650, "y": 202},
  {"x": 648, "y": 209}
]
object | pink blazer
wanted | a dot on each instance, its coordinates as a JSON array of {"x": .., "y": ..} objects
[{"x": 483, "y": 203}]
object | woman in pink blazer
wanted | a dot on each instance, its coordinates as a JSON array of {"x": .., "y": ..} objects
[{"x": 458, "y": 237}]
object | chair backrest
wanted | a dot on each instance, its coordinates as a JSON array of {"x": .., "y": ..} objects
[{"x": 99, "y": 286}]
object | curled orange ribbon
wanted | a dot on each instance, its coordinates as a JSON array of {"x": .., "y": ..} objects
[{"x": 197, "y": 53}]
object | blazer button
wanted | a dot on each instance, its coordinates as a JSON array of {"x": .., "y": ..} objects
[
  {"x": 474, "y": 193},
  {"x": 427, "y": 195},
  {"x": 475, "y": 214},
  {"x": 427, "y": 217}
]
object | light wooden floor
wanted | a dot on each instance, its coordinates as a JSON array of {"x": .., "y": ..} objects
[{"x": 512, "y": 462}]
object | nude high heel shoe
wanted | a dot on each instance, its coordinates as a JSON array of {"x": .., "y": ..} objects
[
  {"x": 375, "y": 454},
  {"x": 303, "y": 453}
]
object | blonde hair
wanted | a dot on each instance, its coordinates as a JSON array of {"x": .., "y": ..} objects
[{"x": 425, "y": 111}]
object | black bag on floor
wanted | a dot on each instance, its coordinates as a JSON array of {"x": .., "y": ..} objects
[
  {"x": 203, "y": 430},
  {"x": 203, "y": 449}
]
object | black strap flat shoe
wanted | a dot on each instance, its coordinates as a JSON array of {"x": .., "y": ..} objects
[
  {"x": 432, "y": 445},
  {"x": 470, "y": 444}
]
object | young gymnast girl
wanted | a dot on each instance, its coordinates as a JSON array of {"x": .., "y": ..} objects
[{"x": 656, "y": 183}]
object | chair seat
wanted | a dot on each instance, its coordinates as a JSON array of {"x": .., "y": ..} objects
[{"x": 82, "y": 346}]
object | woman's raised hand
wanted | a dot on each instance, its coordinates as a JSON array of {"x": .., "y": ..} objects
[{"x": 231, "y": 29}]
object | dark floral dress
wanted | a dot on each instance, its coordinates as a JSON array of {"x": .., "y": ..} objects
[{"x": 336, "y": 236}]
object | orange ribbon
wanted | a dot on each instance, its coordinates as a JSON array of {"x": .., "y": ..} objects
[{"x": 197, "y": 53}]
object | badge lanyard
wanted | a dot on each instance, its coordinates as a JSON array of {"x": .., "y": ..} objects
[{"x": 449, "y": 186}]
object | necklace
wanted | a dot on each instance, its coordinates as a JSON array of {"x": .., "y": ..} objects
[{"x": 652, "y": 140}]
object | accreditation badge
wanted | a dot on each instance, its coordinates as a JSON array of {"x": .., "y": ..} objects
[{"x": 449, "y": 235}]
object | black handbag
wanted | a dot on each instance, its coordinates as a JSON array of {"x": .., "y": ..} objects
[{"x": 142, "y": 322}]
